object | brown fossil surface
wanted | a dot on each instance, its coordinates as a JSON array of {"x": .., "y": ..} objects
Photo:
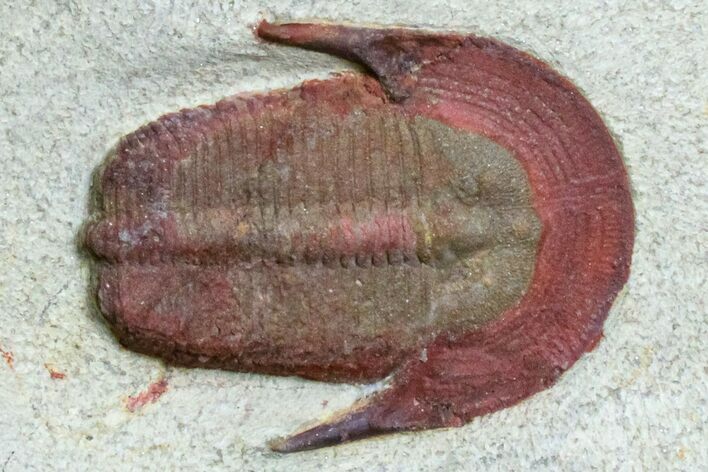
[{"x": 460, "y": 217}]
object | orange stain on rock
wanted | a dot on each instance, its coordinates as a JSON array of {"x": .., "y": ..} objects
[
  {"x": 153, "y": 392},
  {"x": 53, "y": 373},
  {"x": 9, "y": 358}
]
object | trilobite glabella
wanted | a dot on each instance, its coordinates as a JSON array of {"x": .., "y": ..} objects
[{"x": 459, "y": 217}]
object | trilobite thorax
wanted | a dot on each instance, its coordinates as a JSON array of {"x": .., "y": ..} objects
[{"x": 317, "y": 227}]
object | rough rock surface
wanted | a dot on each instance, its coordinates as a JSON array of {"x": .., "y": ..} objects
[{"x": 77, "y": 77}]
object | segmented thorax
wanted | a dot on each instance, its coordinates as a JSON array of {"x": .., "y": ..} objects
[{"x": 254, "y": 229}]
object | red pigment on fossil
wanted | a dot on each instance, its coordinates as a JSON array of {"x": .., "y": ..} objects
[
  {"x": 153, "y": 392},
  {"x": 459, "y": 217}
]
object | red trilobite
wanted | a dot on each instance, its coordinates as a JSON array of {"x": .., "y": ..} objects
[{"x": 458, "y": 217}]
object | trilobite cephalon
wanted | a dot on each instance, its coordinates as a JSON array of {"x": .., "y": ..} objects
[{"x": 458, "y": 216}]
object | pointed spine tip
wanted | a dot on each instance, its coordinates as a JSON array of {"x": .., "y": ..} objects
[
  {"x": 297, "y": 34},
  {"x": 353, "y": 426},
  {"x": 268, "y": 31}
]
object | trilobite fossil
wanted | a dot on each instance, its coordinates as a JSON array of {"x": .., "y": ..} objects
[{"x": 458, "y": 216}]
